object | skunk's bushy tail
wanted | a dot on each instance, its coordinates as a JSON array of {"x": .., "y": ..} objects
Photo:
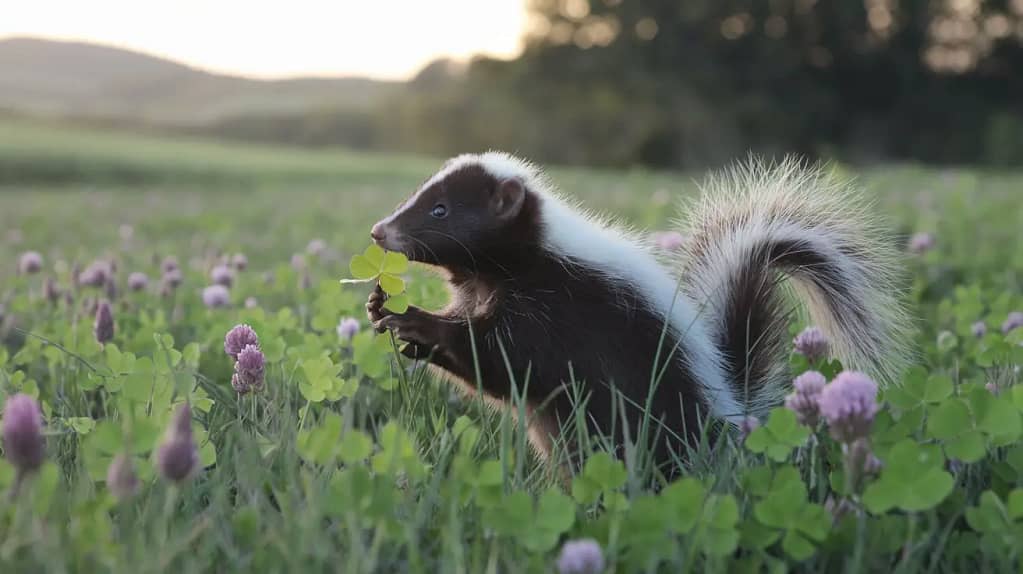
[{"x": 756, "y": 225}]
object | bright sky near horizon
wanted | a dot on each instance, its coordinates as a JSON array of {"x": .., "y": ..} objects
[{"x": 380, "y": 38}]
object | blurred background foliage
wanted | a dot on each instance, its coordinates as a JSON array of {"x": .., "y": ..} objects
[{"x": 658, "y": 83}]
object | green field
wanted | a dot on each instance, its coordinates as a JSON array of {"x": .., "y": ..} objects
[{"x": 350, "y": 461}]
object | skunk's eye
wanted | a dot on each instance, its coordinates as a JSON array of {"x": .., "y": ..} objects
[{"x": 440, "y": 211}]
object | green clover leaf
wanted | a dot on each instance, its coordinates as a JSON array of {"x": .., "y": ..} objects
[
  {"x": 779, "y": 436},
  {"x": 913, "y": 479}
]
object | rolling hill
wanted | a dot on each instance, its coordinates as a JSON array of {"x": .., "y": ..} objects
[{"x": 90, "y": 81}]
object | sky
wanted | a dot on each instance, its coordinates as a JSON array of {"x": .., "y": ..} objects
[{"x": 389, "y": 39}]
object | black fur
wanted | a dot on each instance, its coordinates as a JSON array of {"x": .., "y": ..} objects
[{"x": 553, "y": 318}]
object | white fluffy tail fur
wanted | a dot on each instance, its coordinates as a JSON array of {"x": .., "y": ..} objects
[{"x": 756, "y": 224}]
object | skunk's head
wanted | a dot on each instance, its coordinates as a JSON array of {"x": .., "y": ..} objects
[{"x": 472, "y": 209}]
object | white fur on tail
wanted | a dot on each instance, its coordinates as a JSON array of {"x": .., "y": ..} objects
[{"x": 755, "y": 205}]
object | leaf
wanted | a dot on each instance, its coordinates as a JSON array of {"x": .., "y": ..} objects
[
  {"x": 207, "y": 450},
  {"x": 781, "y": 508},
  {"x": 362, "y": 269},
  {"x": 882, "y": 495},
  {"x": 796, "y": 546},
  {"x": 392, "y": 284},
  {"x": 513, "y": 516},
  {"x": 394, "y": 263},
  {"x": 107, "y": 438},
  {"x": 397, "y": 303},
  {"x": 344, "y": 388},
  {"x": 913, "y": 479},
  {"x": 312, "y": 391},
  {"x": 1015, "y": 504},
  {"x": 397, "y": 453},
  {"x": 684, "y": 500},
  {"x": 245, "y": 526},
  {"x": 355, "y": 446},
  {"x": 997, "y": 417},
  {"x": 928, "y": 491},
  {"x": 757, "y": 536},
  {"x": 814, "y": 522},
  {"x": 145, "y": 434},
  {"x": 718, "y": 536},
  {"x": 43, "y": 488},
  {"x": 778, "y": 436},
  {"x": 273, "y": 350},
  {"x": 948, "y": 419},
  {"x": 968, "y": 447},
  {"x": 605, "y": 471},
  {"x": 81, "y": 425},
  {"x": 191, "y": 354},
  {"x": 375, "y": 254},
  {"x": 556, "y": 512},
  {"x": 320, "y": 444},
  {"x": 585, "y": 490},
  {"x": 938, "y": 388}
]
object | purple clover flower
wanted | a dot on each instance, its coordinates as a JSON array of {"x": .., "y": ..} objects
[
  {"x": 748, "y": 425},
  {"x": 812, "y": 343},
  {"x": 50, "y": 290},
  {"x": 216, "y": 296},
  {"x": 849, "y": 404},
  {"x": 1012, "y": 322},
  {"x": 222, "y": 275},
  {"x": 172, "y": 279},
  {"x": 138, "y": 281},
  {"x": 921, "y": 243},
  {"x": 170, "y": 263},
  {"x": 239, "y": 337},
  {"x": 103, "y": 326},
  {"x": 860, "y": 461},
  {"x": 316, "y": 247},
  {"x": 178, "y": 456},
  {"x": 979, "y": 329},
  {"x": 239, "y": 261},
  {"x": 249, "y": 370},
  {"x": 581, "y": 557},
  {"x": 110, "y": 288},
  {"x": 23, "y": 433},
  {"x": 30, "y": 262},
  {"x": 96, "y": 274},
  {"x": 239, "y": 385},
  {"x": 347, "y": 328},
  {"x": 804, "y": 399},
  {"x": 122, "y": 481}
]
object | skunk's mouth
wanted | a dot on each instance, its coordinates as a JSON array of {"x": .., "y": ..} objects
[
  {"x": 399, "y": 243},
  {"x": 393, "y": 243}
]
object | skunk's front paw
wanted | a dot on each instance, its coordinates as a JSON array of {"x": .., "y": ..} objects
[
  {"x": 408, "y": 327},
  {"x": 375, "y": 307}
]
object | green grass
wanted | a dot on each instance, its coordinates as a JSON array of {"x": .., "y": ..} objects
[{"x": 351, "y": 462}]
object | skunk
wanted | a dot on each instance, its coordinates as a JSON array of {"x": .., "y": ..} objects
[{"x": 570, "y": 311}]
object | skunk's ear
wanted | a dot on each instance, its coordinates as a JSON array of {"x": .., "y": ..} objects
[{"x": 507, "y": 199}]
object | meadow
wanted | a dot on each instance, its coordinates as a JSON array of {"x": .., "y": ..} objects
[{"x": 346, "y": 457}]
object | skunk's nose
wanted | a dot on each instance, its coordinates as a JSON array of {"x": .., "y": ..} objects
[{"x": 377, "y": 233}]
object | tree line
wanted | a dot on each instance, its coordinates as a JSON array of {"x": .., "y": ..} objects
[{"x": 689, "y": 84}]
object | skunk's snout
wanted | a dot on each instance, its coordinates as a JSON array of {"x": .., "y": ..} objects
[{"x": 387, "y": 236}]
